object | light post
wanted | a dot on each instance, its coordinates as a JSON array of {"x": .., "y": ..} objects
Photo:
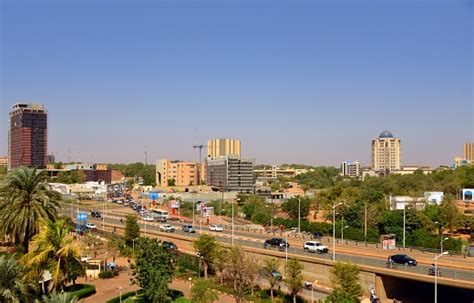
[
  {"x": 286, "y": 252},
  {"x": 404, "y": 224},
  {"x": 133, "y": 245},
  {"x": 120, "y": 290},
  {"x": 194, "y": 199},
  {"x": 441, "y": 242},
  {"x": 233, "y": 219},
  {"x": 342, "y": 232},
  {"x": 190, "y": 282},
  {"x": 436, "y": 275},
  {"x": 299, "y": 214},
  {"x": 334, "y": 231}
]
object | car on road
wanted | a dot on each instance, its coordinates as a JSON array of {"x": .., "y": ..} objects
[
  {"x": 96, "y": 214},
  {"x": 216, "y": 227},
  {"x": 119, "y": 201},
  {"x": 279, "y": 243},
  {"x": 148, "y": 218},
  {"x": 167, "y": 228},
  {"x": 169, "y": 245},
  {"x": 91, "y": 226},
  {"x": 315, "y": 247},
  {"x": 402, "y": 259},
  {"x": 188, "y": 228}
]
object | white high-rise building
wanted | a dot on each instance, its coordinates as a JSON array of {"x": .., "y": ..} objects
[
  {"x": 351, "y": 169},
  {"x": 386, "y": 153}
]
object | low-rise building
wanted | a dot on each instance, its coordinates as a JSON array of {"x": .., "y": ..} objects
[
  {"x": 418, "y": 203},
  {"x": 4, "y": 161},
  {"x": 92, "y": 173},
  {"x": 276, "y": 171},
  {"x": 411, "y": 169}
]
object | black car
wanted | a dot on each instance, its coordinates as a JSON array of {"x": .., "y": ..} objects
[
  {"x": 169, "y": 245},
  {"x": 96, "y": 214},
  {"x": 279, "y": 243},
  {"x": 402, "y": 259}
]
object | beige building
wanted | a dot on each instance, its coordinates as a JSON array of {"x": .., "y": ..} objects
[
  {"x": 4, "y": 161},
  {"x": 223, "y": 147},
  {"x": 278, "y": 171},
  {"x": 469, "y": 151},
  {"x": 386, "y": 153},
  {"x": 183, "y": 173}
]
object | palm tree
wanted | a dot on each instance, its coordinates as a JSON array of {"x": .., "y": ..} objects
[
  {"x": 12, "y": 287},
  {"x": 54, "y": 249},
  {"x": 56, "y": 297},
  {"x": 25, "y": 200}
]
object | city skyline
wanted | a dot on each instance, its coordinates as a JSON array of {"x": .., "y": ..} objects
[{"x": 306, "y": 83}]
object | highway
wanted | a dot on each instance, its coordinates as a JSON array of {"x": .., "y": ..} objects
[{"x": 256, "y": 241}]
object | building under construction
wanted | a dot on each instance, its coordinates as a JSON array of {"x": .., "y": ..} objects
[{"x": 28, "y": 136}]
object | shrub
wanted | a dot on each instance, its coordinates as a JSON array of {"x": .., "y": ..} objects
[
  {"x": 124, "y": 297},
  {"x": 107, "y": 274},
  {"x": 81, "y": 290}
]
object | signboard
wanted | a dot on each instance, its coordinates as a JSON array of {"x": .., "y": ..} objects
[
  {"x": 208, "y": 211},
  {"x": 388, "y": 241},
  {"x": 82, "y": 216},
  {"x": 199, "y": 206},
  {"x": 153, "y": 195},
  {"x": 467, "y": 195},
  {"x": 174, "y": 204}
]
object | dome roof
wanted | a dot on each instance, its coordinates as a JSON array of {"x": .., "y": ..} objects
[{"x": 386, "y": 134}]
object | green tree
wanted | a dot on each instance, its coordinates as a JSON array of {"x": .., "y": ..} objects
[
  {"x": 132, "y": 229},
  {"x": 77, "y": 176},
  {"x": 93, "y": 243},
  {"x": 294, "y": 277},
  {"x": 25, "y": 200},
  {"x": 292, "y": 207},
  {"x": 220, "y": 261},
  {"x": 64, "y": 177},
  {"x": 345, "y": 281},
  {"x": 450, "y": 214},
  {"x": 3, "y": 170},
  {"x": 206, "y": 247},
  {"x": 13, "y": 288},
  {"x": 153, "y": 270},
  {"x": 241, "y": 270},
  {"x": 271, "y": 265},
  {"x": 54, "y": 249},
  {"x": 114, "y": 243},
  {"x": 202, "y": 292},
  {"x": 171, "y": 182},
  {"x": 56, "y": 297}
]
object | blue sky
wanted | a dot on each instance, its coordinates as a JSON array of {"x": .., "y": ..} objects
[{"x": 297, "y": 81}]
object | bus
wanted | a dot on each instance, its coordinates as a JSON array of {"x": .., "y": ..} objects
[{"x": 160, "y": 214}]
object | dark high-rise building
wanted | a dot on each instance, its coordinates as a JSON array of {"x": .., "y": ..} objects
[{"x": 28, "y": 136}]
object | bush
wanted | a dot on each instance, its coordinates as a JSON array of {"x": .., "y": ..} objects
[
  {"x": 124, "y": 297},
  {"x": 81, "y": 290},
  {"x": 187, "y": 262},
  {"x": 107, "y": 274}
]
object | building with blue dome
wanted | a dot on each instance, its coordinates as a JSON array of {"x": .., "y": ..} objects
[{"x": 386, "y": 153}]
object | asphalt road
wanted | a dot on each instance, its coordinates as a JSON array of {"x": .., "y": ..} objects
[{"x": 256, "y": 240}]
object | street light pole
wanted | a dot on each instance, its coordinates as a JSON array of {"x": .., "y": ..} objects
[
  {"x": 299, "y": 214},
  {"x": 233, "y": 202},
  {"x": 404, "y": 224},
  {"x": 441, "y": 243},
  {"x": 334, "y": 231},
  {"x": 342, "y": 232},
  {"x": 436, "y": 276}
]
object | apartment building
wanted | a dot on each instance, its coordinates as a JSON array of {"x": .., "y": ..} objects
[
  {"x": 230, "y": 174},
  {"x": 351, "y": 169},
  {"x": 223, "y": 147},
  {"x": 177, "y": 173}
]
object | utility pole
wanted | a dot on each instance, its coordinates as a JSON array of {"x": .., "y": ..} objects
[
  {"x": 365, "y": 222},
  {"x": 200, "y": 147},
  {"x": 146, "y": 156}
]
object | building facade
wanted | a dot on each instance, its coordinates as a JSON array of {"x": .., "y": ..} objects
[
  {"x": 223, "y": 147},
  {"x": 230, "y": 174},
  {"x": 469, "y": 152},
  {"x": 351, "y": 169},
  {"x": 386, "y": 153},
  {"x": 28, "y": 136},
  {"x": 4, "y": 161},
  {"x": 182, "y": 173},
  {"x": 276, "y": 171}
]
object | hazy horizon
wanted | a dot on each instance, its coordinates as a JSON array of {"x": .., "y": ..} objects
[{"x": 306, "y": 82}]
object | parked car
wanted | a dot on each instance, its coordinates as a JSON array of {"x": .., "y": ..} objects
[
  {"x": 96, "y": 214},
  {"x": 91, "y": 226},
  {"x": 188, "y": 229},
  {"x": 216, "y": 227},
  {"x": 148, "y": 218},
  {"x": 169, "y": 245},
  {"x": 402, "y": 259},
  {"x": 279, "y": 243},
  {"x": 315, "y": 247},
  {"x": 167, "y": 228},
  {"x": 160, "y": 219}
]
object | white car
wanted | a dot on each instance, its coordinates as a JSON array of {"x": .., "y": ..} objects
[
  {"x": 148, "y": 218},
  {"x": 91, "y": 226},
  {"x": 166, "y": 228},
  {"x": 215, "y": 227},
  {"x": 315, "y": 247}
]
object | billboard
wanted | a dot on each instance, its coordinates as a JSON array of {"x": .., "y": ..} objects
[
  {"x": 82, "y": 216},
  {"x": 467, "y": 194},
  {"x": 388, "y": 241},
  {"x": 175, "y": 204},
  {"x": 208, "y": 211},
  {"x": 153, "y": 195}
]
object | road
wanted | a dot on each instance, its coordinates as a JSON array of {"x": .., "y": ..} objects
[{"x": 256, "y": 240}]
